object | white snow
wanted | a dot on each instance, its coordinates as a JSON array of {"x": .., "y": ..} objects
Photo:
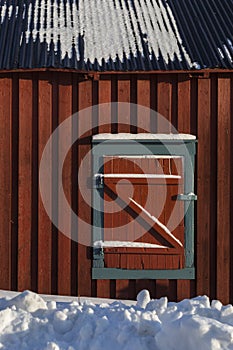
[
  {"x": 28, "y": 322},
  {"x": 221, "y": 53},
  {"x": 196, "y": 65},
  {"x": 110, "y": 27},
  {"x": 105, "y": 244},
  {"x": 156, "y": 220},
  {"x": 3, "y": 12},
  {"x": 142, "y": 176},
  {"x": 146, "y": 157},
  {"x": 226, "y": 50},
  {"x": 143, "y": 136},
  {"x": 143, "y": 298},
  {"x": 230, "y": 44}
]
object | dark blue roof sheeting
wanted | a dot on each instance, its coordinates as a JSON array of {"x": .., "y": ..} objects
[{"x": 116, "y": 35}]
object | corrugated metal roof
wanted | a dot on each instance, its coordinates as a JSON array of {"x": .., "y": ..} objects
[{"x": 120, "y": 35}]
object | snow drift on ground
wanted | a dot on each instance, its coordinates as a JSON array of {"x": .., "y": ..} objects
[{"x": 28, "y": 321}]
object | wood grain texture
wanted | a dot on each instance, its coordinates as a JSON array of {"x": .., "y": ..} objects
[
  {"x": 143, "y": 99},
  {"x": 194, "y": 104},
  {"x": 183, "y": 126},
  {"x": 146, "y": 97},
  {"x": 84, "y": 209},
  {"x": 44, "y": 223},
  {"x": 183, "y": 104},
  {"x": 5, "y": 182},
  {"x": 104, "y": 99},
  {"x": 25, "y": 184},
  {"x": 64, "y": 243},
  {"x": 223, "y": 196},
  {"x": 203, "y": 187},
  {"x": 74, "y": 189},
  {"x": 123, "y": 109},
  {"x": 14, "y": 182},
  {"x": 164, "y": 104}
]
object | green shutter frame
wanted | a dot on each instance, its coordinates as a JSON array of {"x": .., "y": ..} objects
[{"x": 151, "y": 147}]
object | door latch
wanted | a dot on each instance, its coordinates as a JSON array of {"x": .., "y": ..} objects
[{"x": 187, "y": 197}]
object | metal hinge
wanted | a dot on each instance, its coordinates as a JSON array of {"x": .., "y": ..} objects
[
  {"x": 187, "y": 197},
  {"x": 98, "y": 253},
  {"x": 98, "y": 181},
  {"x": 98, "y": 257}
]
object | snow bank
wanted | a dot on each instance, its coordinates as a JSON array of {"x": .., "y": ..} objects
[{"x": 27, "y": 321}]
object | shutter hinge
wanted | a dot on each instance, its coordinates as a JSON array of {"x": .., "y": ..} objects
[
  {"x": 98, "y": 257},
  {"x": 98, "y": 181}
]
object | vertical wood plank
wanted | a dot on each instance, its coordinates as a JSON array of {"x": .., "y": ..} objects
[
  {"x": 122, "y": 289},
  {"x": 223, "y": 192},
  {"x": 231, "y": 198},
  {"x": 114, "y": 98},
  {"x": 14, "y": 181},
  {"x": 174, "y": 103},
  {"x": 186, "y": 108},
  {"x": 44, "y": 223},
  {"x": 64, "y": 243},
  {"x": 55, "y": 122},
  {"x": 203, "y": 188},
  {"x": 183, "y": 290},
  {"x": 143, "y": 99},
  {"x": 35, "y": 181},
  {"x": 84, "y": 210},
  {"x": 153, "y": 102},
  {"x": 183, "y": 101},
  {"x": 183, "y": 126},
  {"x": 104, "y": 92},
  {"x": 123, "y": 110},
  {"x": 213, "y": 185},
  {"x": 164, "y": 104},
  {"x": 146, "y": 284},
  {"x": 5, "y": 181},
  {"x": 103, "y": 288},
  {"x": 74, "y": 194},
  {"x": 25, "y": 184}
]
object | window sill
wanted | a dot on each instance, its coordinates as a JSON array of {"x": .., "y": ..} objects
[{"x": 111, "y": 273}]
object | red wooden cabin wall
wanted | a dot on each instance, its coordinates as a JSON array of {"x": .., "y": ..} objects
[{"x": 33, "y": 254}]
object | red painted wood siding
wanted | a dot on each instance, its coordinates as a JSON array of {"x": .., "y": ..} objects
[{"x": 33, "y": 254}]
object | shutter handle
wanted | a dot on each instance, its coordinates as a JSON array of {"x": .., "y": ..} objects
[{"x": 187, "y": 197}]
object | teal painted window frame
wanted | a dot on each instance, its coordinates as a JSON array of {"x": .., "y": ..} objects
[{"x": 117, "y": 147}]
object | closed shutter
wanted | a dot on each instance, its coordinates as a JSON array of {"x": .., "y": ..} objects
[{"x": 143, "y": 221}]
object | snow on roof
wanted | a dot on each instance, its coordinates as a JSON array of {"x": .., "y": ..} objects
[
  {"x": 101, "y": 29},
  {"x": 114, "y": 34},
  {"x": 143, "y": 136}
]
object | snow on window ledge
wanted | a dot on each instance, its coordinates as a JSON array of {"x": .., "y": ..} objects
[
  {"x": 115, "y": 244},
  {"x": 143, "y": 136},
  {"x": 140, "y": 176}
]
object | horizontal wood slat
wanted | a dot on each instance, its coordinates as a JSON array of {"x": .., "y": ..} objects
[
  {"x": 142, "y": 181},
  {"x": 129, "y": 250}
]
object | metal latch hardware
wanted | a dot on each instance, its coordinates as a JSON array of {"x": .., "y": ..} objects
[{"x": 187, "y": 197}]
